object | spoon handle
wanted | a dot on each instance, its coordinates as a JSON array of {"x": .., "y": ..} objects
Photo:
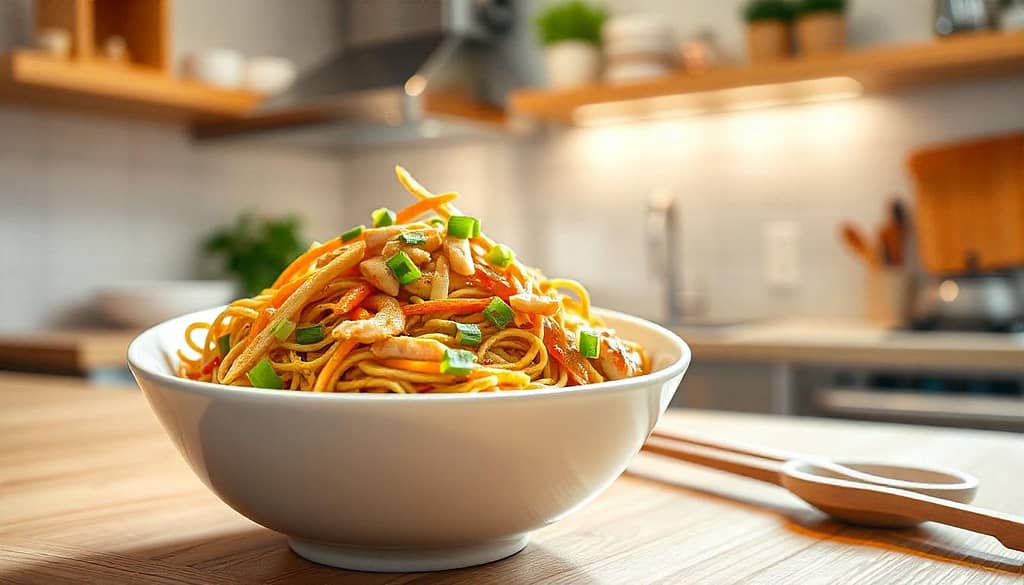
[
  {"x": 754, "y": 468},
  {"x": 1006, "y": 528},
  {"x": 731, "y": 446}
]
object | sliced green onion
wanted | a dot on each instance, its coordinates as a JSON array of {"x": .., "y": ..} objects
[
  {"x": 499, "y": 313},
  {"x": 352, "y": 233},
  {"x": 262, "y": 375},
  {"x": 458, "y": 362},
  {"x": 307, "y": 335},
  {"x": 501, "y": 255},
  {"x": 590, "y": 344},
  {"x": 463, "y": 226},
  {"x": 282, "y": 328},
  {"x": 383, "y": 217},
  {"x": 467, "y": 334},
  {"x": 435, "y": 221},
  {"x": 224, "y": 344},
  {"x": 403, "y": 268},
  {"x": 413, "y": 238}
]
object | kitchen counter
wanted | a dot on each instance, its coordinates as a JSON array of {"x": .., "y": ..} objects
[
  {"x": 854, "y": 343},
  {"x": 92, "y": 491}
]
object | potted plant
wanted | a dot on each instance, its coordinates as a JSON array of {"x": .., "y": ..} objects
[
  {"x": 768, "y": 36},
  {"x": 571, "y": 34},
  {"x": 820, "y": 26},
  {"x": 254, "y": 251}
]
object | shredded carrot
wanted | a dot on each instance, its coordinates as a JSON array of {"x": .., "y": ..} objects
[
  {"x": 454, "y": 306},
  {"x": 412, "y": 365},
  {"x": 306, "y": 260},
  {"x": 352, "y": 298},
  {"x": 505, "y": 377},
  {"x": 261, "y": 321},
  {"x": 361, "y": 314},
  {"x": 284, "y": 292},
  {"x": 328, "y": 375},
  {"x": 414, "y": 211}
]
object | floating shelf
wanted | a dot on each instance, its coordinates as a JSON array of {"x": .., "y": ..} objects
[
  {"x": 122, "y": 88},
  {"x": 797, "y": 80}
]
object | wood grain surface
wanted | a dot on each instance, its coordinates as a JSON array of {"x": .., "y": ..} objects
[{"x": 91, "y": 491}]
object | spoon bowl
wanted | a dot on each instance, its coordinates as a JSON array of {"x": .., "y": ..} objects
[{"x": 827, "y": 486}]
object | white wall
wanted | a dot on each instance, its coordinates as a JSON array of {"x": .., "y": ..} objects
[{"x": 86, "y": 201}]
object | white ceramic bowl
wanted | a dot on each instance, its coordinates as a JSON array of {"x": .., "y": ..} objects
[
  {"x": 408, "y": 482},
  {"x": 145, "y": 303},
  {"x": 269, "y": 75},
  {"x": 223, "y": 68}
]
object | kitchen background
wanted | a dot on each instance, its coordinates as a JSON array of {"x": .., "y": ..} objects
[{"x": 89, "y": 199}]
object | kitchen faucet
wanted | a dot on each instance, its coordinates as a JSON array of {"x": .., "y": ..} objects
[{"x": 663, "y": 251}]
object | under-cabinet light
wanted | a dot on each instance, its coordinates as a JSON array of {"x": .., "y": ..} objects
[{"x": 719, "y": 100}]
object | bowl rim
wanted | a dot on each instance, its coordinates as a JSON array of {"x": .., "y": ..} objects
[{"x": 676, "y": 368}]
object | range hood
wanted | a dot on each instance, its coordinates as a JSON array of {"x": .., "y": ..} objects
[{"x": 409, "y": 70}]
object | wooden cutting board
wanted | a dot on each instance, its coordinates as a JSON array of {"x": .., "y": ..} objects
[{"x": 970, "y": 204}]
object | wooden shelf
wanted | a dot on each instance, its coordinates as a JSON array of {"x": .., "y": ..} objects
[
  {"x": 125, "y": 89},
  {"x": 874, "y": 70}
]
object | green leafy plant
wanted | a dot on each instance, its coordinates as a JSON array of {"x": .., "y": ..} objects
[
  {"x": 572, "y": 20},
  {"x": 255, "y": 251},
  {"x": 808, "y": 6},
  {"x": 761, "y": 10}
]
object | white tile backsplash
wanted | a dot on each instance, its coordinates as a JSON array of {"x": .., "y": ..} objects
[{"x": 87, "y": 200}]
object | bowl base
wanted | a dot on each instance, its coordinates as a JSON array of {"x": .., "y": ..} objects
[{"x": 406, "y": 560}]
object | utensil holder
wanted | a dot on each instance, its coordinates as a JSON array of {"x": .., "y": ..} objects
[{"x": 886, "y": 296}]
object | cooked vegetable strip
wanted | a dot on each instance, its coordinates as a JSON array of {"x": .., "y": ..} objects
[
  {"x": 416, "y": 210},
  {"x": 352, "y": 298},
  {"x": 306, "y": 260},
  {"x": 452, "y": 306},
  {"x": 439, "y": 285},
  {"x": 346, "y": 259},
  {"x": 423, "y": 302}
]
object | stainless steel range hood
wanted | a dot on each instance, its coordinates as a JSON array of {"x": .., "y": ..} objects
[{"x": 410, "y": 70}]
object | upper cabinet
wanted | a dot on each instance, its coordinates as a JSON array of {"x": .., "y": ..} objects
[{"x": 112, "y": 55}]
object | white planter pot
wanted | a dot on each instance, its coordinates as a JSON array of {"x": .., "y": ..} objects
[{"x": 572, "y": 63}]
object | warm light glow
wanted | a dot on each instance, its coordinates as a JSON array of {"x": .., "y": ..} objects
[
  {"x": 722, "y": 100},
  {"x": 415, "y": 85},
  {"x": 949, "y": 290}
]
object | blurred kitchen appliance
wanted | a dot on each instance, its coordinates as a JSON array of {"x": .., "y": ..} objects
[
  {"x": 973, "y": 302},
  {"x": 970, "y": 228},
  {"x": 957, "y": 16},
  {"x": 409, "y": 70}
]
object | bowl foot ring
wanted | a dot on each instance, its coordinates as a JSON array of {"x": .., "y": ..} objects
[{"x": 406, "y": 560}]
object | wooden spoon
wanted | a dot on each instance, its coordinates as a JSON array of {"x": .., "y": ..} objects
[{"x": 832, "y": 488}]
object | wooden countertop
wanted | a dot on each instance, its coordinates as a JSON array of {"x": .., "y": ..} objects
[
  {"x": 837, "y": 342},
  {"x": 92, "y": 491}
]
